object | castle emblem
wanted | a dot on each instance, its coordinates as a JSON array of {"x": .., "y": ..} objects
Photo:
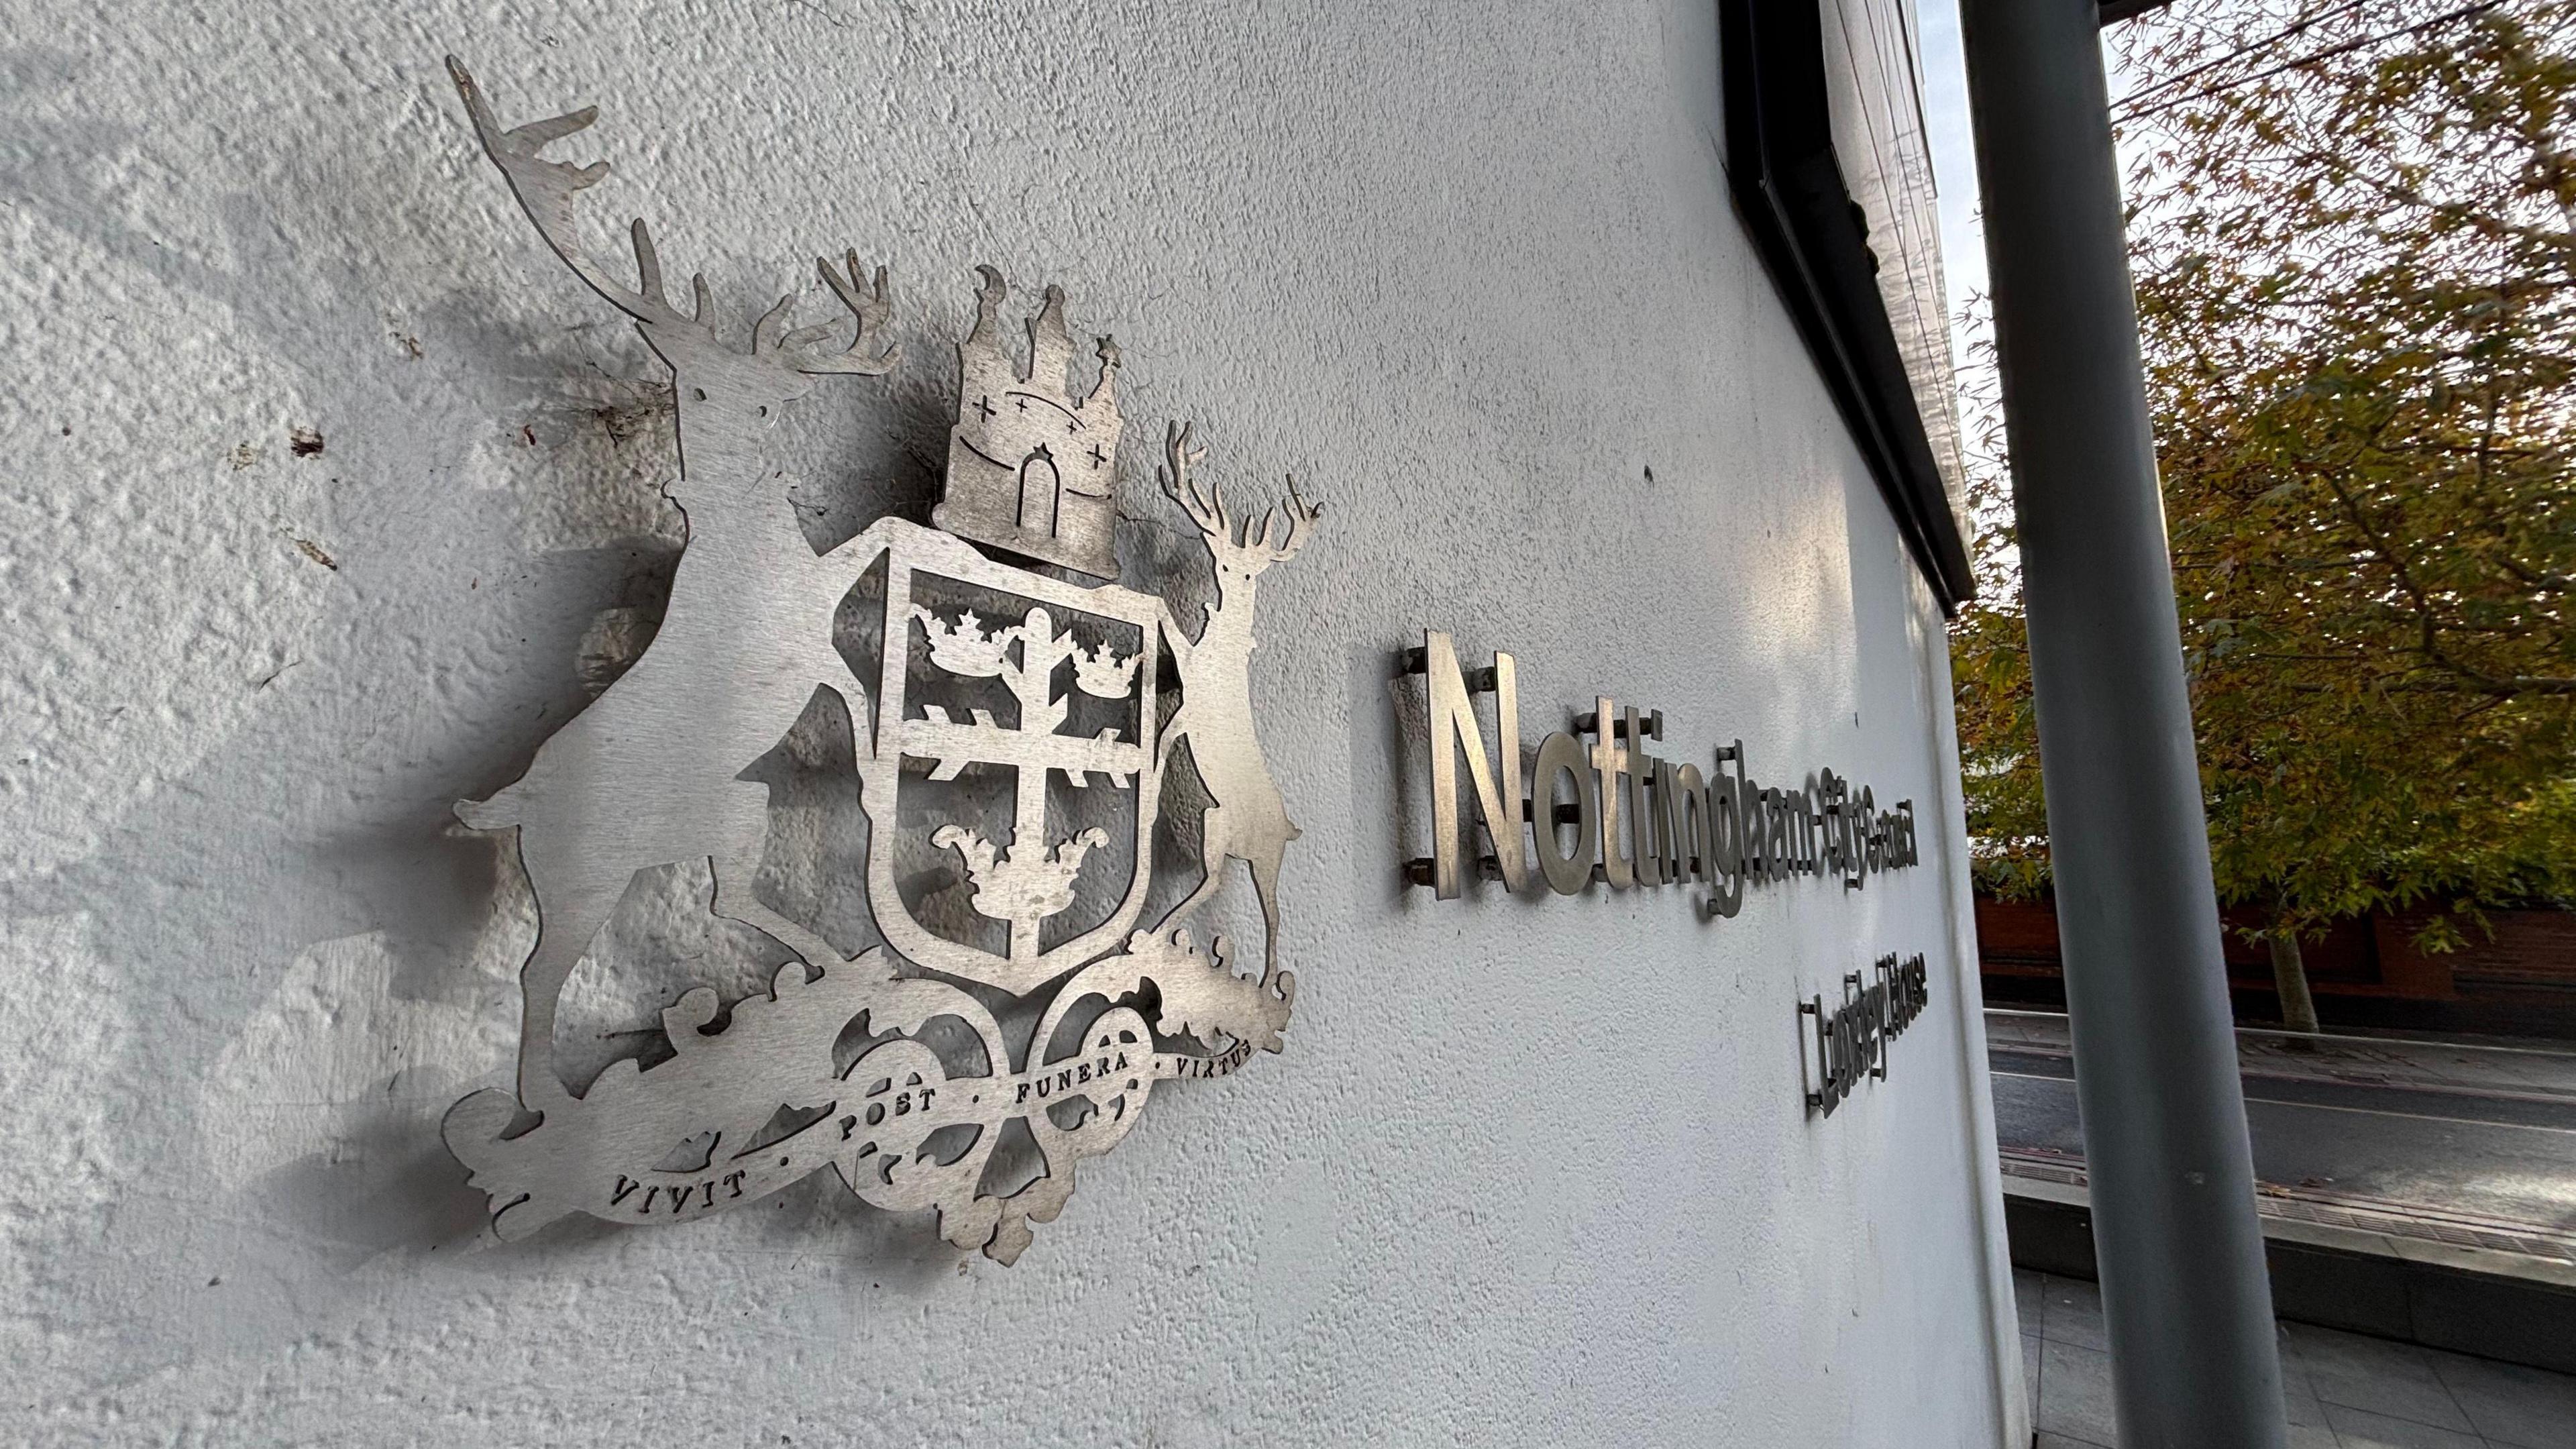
[
  {"x": 1029, "y": 465},
  {"x": 1013, "y": 732}
]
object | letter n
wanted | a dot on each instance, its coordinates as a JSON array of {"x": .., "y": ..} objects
[{"x": 1453, "y": 727}]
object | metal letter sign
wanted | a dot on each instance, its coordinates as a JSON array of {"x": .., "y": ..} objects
[
  {"x": 1034, "y": 718},
  {"x": 1638, "y": 822}
]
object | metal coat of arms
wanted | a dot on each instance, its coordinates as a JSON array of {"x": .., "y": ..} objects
[{"x": 1012, "y": 733}]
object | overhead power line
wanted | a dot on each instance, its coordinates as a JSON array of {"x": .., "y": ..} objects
[
  {"x": 2296, "y": 27},
  {"x": 2311, "y": 58}
]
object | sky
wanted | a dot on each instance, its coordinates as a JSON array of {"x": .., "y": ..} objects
[
  {"x": 1954, "y": 160},
  {"x": 1954, "y": 180},
  {"x": 1954, "y": 170}
]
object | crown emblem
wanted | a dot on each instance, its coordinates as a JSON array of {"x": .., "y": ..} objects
[{"x": 1029, "y": 465}]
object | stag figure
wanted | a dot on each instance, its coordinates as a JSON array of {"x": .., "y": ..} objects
[
  {"x": 646, "y": 775},
  {"x": 1248, "y": 820}
]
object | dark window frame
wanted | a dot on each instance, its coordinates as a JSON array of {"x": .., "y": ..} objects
[{"x": 1813, "y": 239}]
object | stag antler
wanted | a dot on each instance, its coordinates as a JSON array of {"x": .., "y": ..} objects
[
  {"x": 864, "y": 356},
  {"x": 546, "y": 191},
  {"x": 1207, "y": 510},
  {"x": 1301, "y": 516},
  {"x": 1252, "y": 548}
]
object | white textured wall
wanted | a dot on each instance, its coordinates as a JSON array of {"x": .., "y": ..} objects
[{"x": 1530, "y": 1172}]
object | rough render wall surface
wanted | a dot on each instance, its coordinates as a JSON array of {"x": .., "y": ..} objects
[{"x": 1531, "y": 1172}]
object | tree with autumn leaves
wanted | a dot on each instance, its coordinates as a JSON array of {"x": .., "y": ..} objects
[{"x": 2353, "y": 233}]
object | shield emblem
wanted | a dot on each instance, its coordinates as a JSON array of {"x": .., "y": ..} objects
[{"x": 1011, "y": 791}]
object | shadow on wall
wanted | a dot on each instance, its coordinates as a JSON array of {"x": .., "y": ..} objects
[{"x": 285, "y": 957}]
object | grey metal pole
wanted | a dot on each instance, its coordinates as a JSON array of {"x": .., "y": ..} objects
[{"x": 2194, "y": 1364}]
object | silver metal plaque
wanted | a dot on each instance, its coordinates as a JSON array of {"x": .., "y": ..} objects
[{"x": 1060, "y": 704}]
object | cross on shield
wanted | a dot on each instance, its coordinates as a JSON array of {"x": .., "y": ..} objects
[{"x": 990, "y": 671}]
